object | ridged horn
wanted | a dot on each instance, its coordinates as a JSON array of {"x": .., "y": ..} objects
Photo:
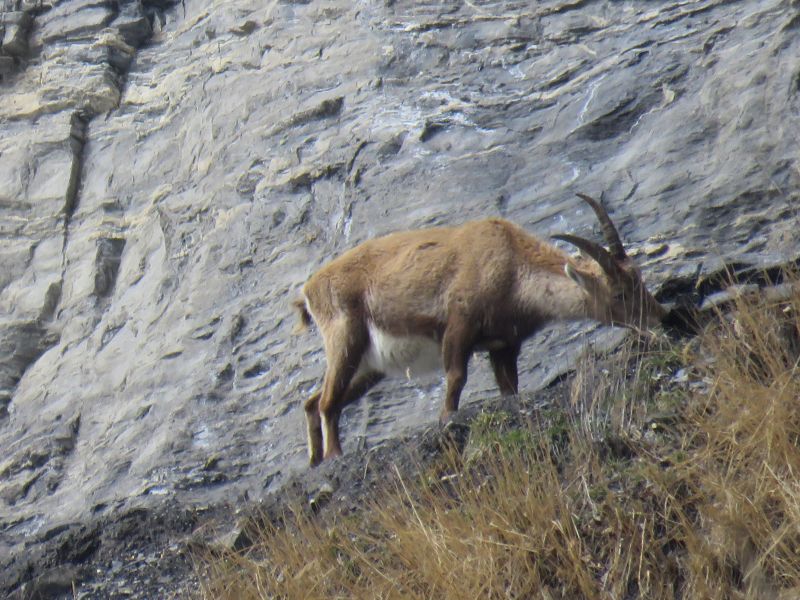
[
  {"x": 595, "y": 250},
  {"x": 610, "y": 232}
]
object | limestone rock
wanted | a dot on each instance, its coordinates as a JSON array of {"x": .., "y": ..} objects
[{"x": 15, "y": 26}]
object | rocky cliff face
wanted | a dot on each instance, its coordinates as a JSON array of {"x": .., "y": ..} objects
[{"x": 171, "y": 173}]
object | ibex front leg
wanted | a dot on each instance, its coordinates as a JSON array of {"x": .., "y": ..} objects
[
  {"x": 504, "y": 365},
  {"x": 456, "y": 351}
]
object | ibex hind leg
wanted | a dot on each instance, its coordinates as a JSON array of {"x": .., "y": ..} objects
[
  {"x": 357, "y": 388},
  {"x": 344, "y": 350},
  {"x": 314, "y": 428}
]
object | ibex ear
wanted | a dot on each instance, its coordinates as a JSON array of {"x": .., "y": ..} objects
[{"x": 577, "y": 277}]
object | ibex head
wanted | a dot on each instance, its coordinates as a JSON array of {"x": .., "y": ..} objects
[{"x": 615, "y": 291}]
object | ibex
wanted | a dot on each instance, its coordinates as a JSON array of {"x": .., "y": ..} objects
[{"x": 416, "y": 300}]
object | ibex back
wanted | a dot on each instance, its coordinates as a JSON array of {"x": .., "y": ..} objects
[{"x": 424, "y": 299}]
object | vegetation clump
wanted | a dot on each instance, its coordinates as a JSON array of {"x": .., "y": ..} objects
[{"x": 675, "y": 473}]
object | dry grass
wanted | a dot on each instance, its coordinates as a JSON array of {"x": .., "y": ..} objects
[{"x": 675, "y": 477}]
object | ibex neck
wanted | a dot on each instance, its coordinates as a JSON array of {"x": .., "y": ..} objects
[{"x": 555, "y": 297}]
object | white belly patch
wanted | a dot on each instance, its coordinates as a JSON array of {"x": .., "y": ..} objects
[{"x": 401, "y": 355}]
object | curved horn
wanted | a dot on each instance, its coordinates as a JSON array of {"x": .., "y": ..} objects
[
  {"x": 595, "y": 250},
  {"x": 609, "y": 230}
]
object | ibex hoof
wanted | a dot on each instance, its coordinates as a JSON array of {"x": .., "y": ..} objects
[{"x": 446, "y": 418}]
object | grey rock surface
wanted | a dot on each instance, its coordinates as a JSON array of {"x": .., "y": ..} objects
[{"x": 170, "y": 174}]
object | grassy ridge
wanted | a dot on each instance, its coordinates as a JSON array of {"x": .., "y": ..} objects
[{"x": 675, "y": 474}]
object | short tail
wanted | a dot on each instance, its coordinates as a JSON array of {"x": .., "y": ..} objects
[{"x": 305, "y": 316}]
